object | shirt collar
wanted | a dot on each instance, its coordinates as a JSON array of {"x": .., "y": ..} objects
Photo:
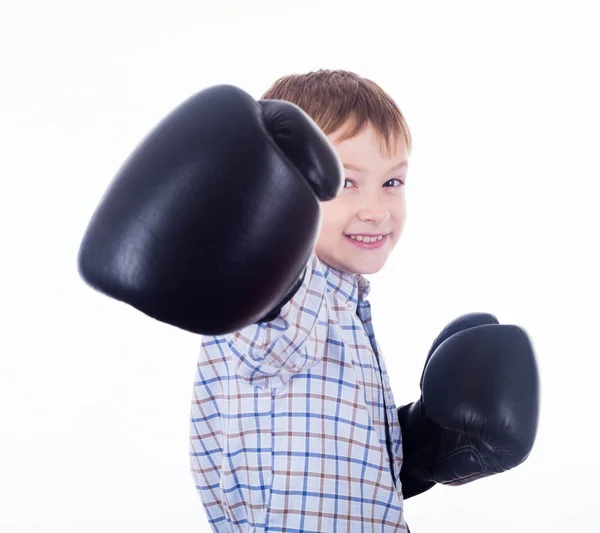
[{"x": 349, "y": 287}]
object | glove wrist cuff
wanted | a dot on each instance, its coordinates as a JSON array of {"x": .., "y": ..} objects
[{"x": 274, "y": 313}]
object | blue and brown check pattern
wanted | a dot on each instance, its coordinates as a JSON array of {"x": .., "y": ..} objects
[{"x": 293, "y": 423}]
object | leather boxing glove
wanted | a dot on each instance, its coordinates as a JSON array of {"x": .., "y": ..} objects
[
  {"x": 209, "y": 224},
  {"x": 479, "y": 408}
]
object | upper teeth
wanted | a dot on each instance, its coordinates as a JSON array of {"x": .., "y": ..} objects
[{"x": 365, "y": 238}]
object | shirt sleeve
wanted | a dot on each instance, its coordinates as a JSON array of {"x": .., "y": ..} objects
[{"x": 270, "y": 353}]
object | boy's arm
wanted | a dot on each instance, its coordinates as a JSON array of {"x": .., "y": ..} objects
[{"x": 290, "y": 342}]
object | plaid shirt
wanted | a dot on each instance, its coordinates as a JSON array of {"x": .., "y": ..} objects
[{"x": 293, "y": 423}]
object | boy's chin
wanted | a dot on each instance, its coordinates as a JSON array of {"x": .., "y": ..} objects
[
  {"x": 355, "y": 267},
  {"x": 374, "y": 269}
]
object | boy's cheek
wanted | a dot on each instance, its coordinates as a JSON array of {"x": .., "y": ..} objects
[{"x": 332, "y": 217}]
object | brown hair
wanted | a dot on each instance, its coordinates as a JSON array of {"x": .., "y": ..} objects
[{"x": 335, "y": 98}]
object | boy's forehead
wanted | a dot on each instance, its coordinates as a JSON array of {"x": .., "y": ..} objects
[{"x": 367, "y": 146}]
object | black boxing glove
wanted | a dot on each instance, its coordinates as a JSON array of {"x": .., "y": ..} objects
[
  {"x": 209, "y": 224},
  {"x": 479, "y": 408}
]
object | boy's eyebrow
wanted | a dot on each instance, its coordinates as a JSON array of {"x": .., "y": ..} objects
[{"x": 350, "y": 166}]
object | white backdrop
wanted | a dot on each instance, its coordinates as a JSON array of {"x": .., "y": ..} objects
[{"x": 503, "y": 102}]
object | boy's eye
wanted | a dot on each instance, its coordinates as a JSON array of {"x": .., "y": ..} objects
[{"x": 400, "y": 183}]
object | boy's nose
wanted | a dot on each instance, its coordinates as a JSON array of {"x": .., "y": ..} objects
[{"x": 377, "y": 215}]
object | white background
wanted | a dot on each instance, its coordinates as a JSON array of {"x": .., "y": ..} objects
[{"x": 503, "y": 102}]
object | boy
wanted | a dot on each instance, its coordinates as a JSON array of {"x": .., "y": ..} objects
[
  {"x": 213, "y": 225},
  {"x": 293, "y": 423}
]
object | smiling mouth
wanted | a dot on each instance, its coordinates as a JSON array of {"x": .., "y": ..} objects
[
  {"x": 368, "y": 242},
  {"x": 366, "y": 237}
]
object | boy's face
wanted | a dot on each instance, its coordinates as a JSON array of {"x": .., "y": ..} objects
[{"x": 371, "y": 203}]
